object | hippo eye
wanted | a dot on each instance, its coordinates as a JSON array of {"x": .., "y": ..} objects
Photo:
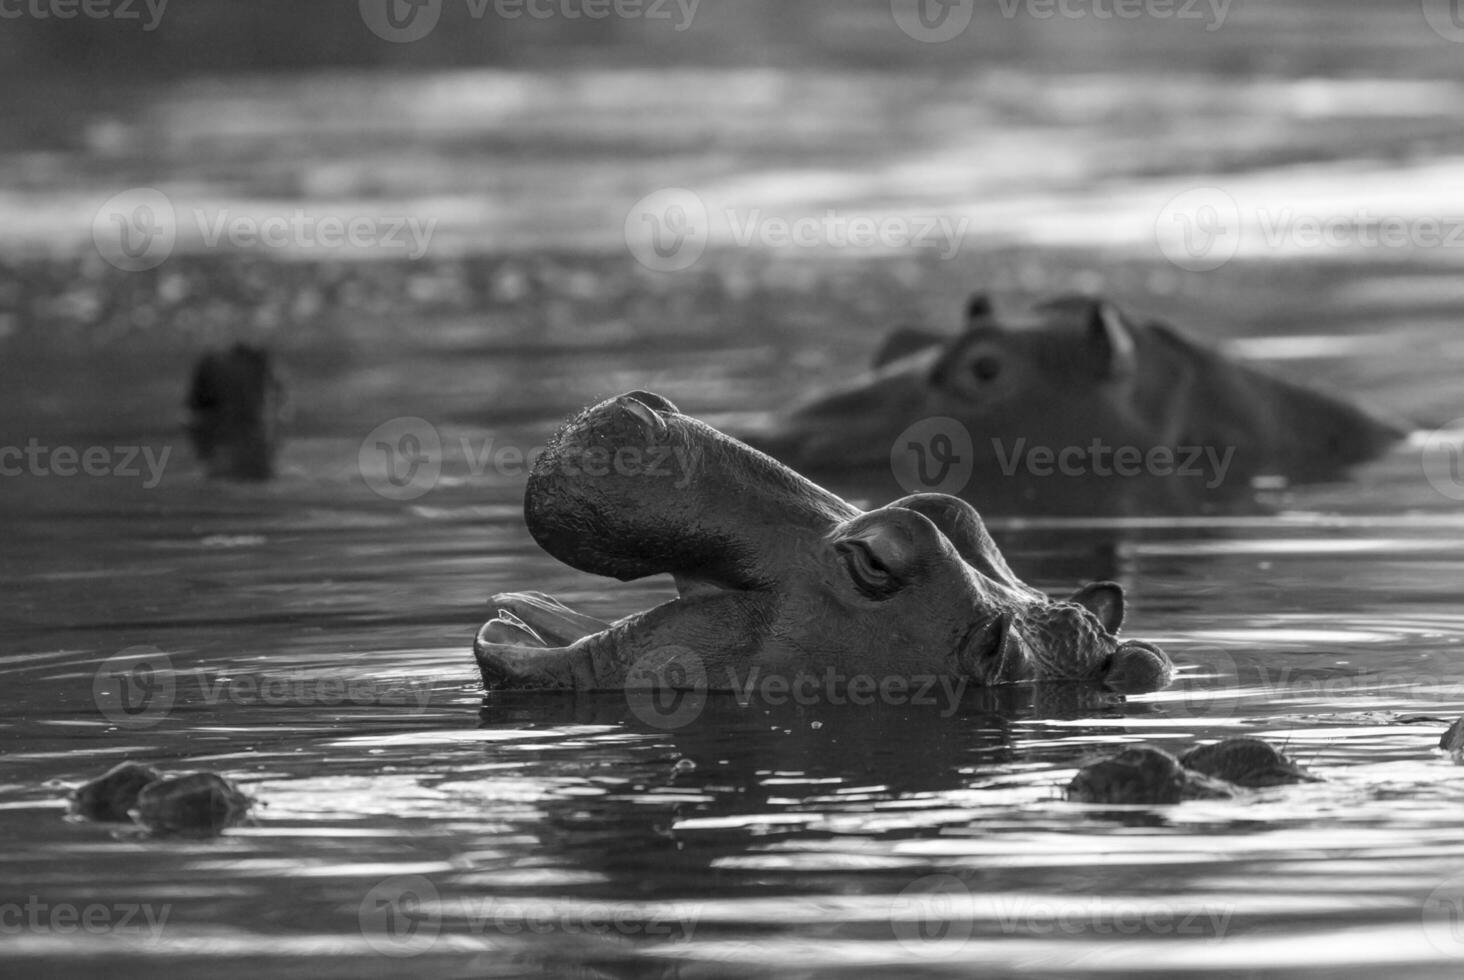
[
  {"x": 985, "y": 368},
  {"x": 871, "y": 576}
]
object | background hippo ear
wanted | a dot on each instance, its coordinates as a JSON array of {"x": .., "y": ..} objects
[
  {"x": 904, "y": 341},
  {"x": 1111, "y": 339},
  {"x": 978, "y": 309},
  {"x": 1104, "y": 600}
]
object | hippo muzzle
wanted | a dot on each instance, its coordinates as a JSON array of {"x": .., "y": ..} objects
[{"x": 776, "y": 576}]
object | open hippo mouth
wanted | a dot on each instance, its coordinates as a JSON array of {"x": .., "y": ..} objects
[{"x": 776, "y": 576}]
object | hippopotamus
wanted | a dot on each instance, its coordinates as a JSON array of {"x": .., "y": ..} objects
[
  {"x": 1075, "y": 407},
  {"x": 777, "y": 577},
  {"x": 1222, "y": 770},
  {"x": 235, "y": 404},
  {"x": 193, "y": 804}
]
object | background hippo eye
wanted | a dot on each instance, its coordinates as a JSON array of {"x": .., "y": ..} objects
[{"x": 985, "y": 368}]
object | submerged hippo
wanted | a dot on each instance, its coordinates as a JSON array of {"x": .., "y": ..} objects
[
  {"x": 235, "y": 404},
  {"x": 196, "y": 804},
  {"x": 1072, "y": 408},
  {"x": 1222, "y": 770},
  {"x": 777, "y": 577}
]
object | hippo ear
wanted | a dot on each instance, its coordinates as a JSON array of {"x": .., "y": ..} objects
[
  {"x": 904, "y": 341},
  {"x": 1104, "y": 600},
  {"x": 978, "y": 309},
  {"x": 1111, "y": 339}
]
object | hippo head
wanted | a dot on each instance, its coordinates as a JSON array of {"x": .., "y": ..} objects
[
  {"x": 235, "y": 403},
  {"x": 777, "y": 576},
  {"x": 1075, "y": 407}
]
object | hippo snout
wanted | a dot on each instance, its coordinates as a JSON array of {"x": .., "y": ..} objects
[{"x": 1137, "y": 667}]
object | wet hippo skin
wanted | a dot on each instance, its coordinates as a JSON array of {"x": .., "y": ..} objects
[
  {"x": 1144, "y": 775},
  {"x": 1072, "y": 371},
  {"x": 777, "y": 576}
]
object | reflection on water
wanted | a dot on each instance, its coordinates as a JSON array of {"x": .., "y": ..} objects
[{"x": 317, "y": 632}]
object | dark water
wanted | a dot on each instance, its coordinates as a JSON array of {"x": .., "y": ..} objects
[{"x": 318, "y": 632}]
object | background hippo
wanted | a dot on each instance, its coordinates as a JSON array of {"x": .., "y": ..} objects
[
  {"x": 777, "y": 576},
  {"x": 235, "y": 404},
  {"x": 1050, "y": 400}
]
